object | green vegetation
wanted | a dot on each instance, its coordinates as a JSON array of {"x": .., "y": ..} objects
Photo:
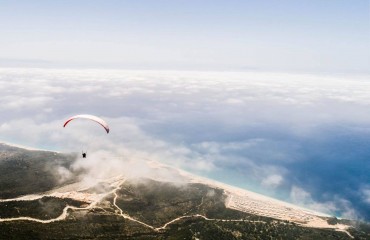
[
  {"x": 29, "y": 172},
  {"x": 100, "y": 225},
  {"x": 79, "y": 225},
  {"x": 212, "y": 230},
  {"x": 157, "y": 202},
  {"x": 43, "y": 208}
]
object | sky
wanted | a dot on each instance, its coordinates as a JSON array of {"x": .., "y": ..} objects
[
  {"x": 271, "y": 96},
  {"x": 289, "y": 36}
]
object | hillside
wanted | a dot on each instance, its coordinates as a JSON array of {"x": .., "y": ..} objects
[{"x": 36, "y": 204}]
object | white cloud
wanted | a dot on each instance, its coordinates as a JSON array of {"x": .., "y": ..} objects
[
  {"x": 272, "y": 181},
  {"x": 303, "y": 198},
  {"x": 365, "y": 193},
  {"x": 161, "y": 103},
  {"x": 63, "y": 174},
  {"x": 234, "y": 101}
]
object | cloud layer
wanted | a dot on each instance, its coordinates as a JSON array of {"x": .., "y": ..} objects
[{"x": 301, "y": 138}]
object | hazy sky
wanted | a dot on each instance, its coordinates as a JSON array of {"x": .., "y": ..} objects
[{"x": 285, "y": 35}]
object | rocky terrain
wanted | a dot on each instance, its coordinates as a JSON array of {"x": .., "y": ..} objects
[{"x": 36, "y": 204}]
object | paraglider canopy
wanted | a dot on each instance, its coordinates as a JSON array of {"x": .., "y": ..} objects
[{"x": 90, "y": 117}]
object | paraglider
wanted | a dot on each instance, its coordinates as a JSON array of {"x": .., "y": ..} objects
[{"x": 89, "y": 117}]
